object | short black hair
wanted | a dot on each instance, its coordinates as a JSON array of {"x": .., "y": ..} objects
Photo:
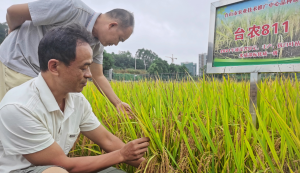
[
  {"x": 125, "y": 17},
  {"x": 60, "y": 43}
]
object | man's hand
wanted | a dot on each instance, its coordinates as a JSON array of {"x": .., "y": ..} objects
[
  {"x": 125, "y": 108},
  {"x": 110, "y": 143},
  {"x": 134, "y": 150}
]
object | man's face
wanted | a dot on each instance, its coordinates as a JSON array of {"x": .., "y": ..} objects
[
  {"x": 113, "y": 34},
  {"x": 74, "y": 77}
]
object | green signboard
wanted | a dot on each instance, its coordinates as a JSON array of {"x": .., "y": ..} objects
[{"x": 257, "y": 32}]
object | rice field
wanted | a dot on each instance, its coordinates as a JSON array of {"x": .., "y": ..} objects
[{"x": 204, "y": 126}]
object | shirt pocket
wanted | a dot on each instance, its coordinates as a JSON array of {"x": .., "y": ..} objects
[{"x": 70, "y": 140}]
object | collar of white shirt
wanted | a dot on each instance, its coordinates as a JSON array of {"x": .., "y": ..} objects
[{"x": 48, "y": 98}]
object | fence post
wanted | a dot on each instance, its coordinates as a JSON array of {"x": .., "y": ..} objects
[{"x": 110, "y": 72}]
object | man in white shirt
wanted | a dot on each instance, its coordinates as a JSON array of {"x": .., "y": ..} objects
[
  {"x": 41, "y": 119},
  {"x": 29, "y": 22}
]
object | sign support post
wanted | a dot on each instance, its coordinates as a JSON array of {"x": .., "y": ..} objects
[{"x": 254, "y": 96}]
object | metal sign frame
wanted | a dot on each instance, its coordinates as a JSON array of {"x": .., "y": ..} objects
[{"x": 238, "y": 69}]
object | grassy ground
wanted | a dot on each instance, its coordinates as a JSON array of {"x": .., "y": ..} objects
[{"x": 204, "y": 126}]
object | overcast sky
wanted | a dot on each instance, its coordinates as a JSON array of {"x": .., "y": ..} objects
[{"x": 178, "y": 27}]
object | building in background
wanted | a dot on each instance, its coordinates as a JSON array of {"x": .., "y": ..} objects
[
  {"x": 202, "y": 63},
  {"x": 192, "y": 67}
]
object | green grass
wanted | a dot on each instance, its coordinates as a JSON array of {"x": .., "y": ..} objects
[{"x": 204, "y": 126}]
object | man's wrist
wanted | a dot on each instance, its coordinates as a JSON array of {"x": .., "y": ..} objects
[
  {"x": 117, "y": 102},
  {"x": 120, "y": 156}
]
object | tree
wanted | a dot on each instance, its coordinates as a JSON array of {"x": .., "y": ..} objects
[
  {"x": 162, "y": 64},
  {"x": 153, "y": 69},
  {"x": 123, "y": 60},
  {"x": 147, "y": 56},
  {"x": 173, "y": 68},
  {"x": 3, "y": 31},
  {"x": 158, "y": 66},
  {"x": 140, "y": 64},
  {"x": 108, "y": 61},
  {"x": 183, "y": 69}
]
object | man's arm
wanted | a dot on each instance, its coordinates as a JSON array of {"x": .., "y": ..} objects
[
  {"x": 41, "y": 13},
  {"x": 102, "y": 83},
  {"x": 110, "y": 144},
  {"x": 54, "y": 155},
  {"x": 16, "y": 15}
]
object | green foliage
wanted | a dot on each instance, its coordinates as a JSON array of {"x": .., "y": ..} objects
[
  {"x": 130, "y": 71},
  {"x": 158, "y": 66},
  {"x": 126, "y": 77},
  {"x": 108, "y": 61},
  {"x": 178, "y": 69},
  {"x": 153, "y": 69},
  {"x": 182, "y": 69},
  {"x": 125, "y": 60},
  {"x": 3, "y": 28},
  {"x": 148, "y": 56},
  {"x": 139, "y": 64},
  {"x": 173, "y": 68}
]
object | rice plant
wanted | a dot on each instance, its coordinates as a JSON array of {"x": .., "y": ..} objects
[{"x": 204, "y": 125}]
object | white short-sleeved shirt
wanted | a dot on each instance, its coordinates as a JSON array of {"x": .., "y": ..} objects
[
  {"x": 31, "y": 120},
  {"x": 19, "y": 50}
]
